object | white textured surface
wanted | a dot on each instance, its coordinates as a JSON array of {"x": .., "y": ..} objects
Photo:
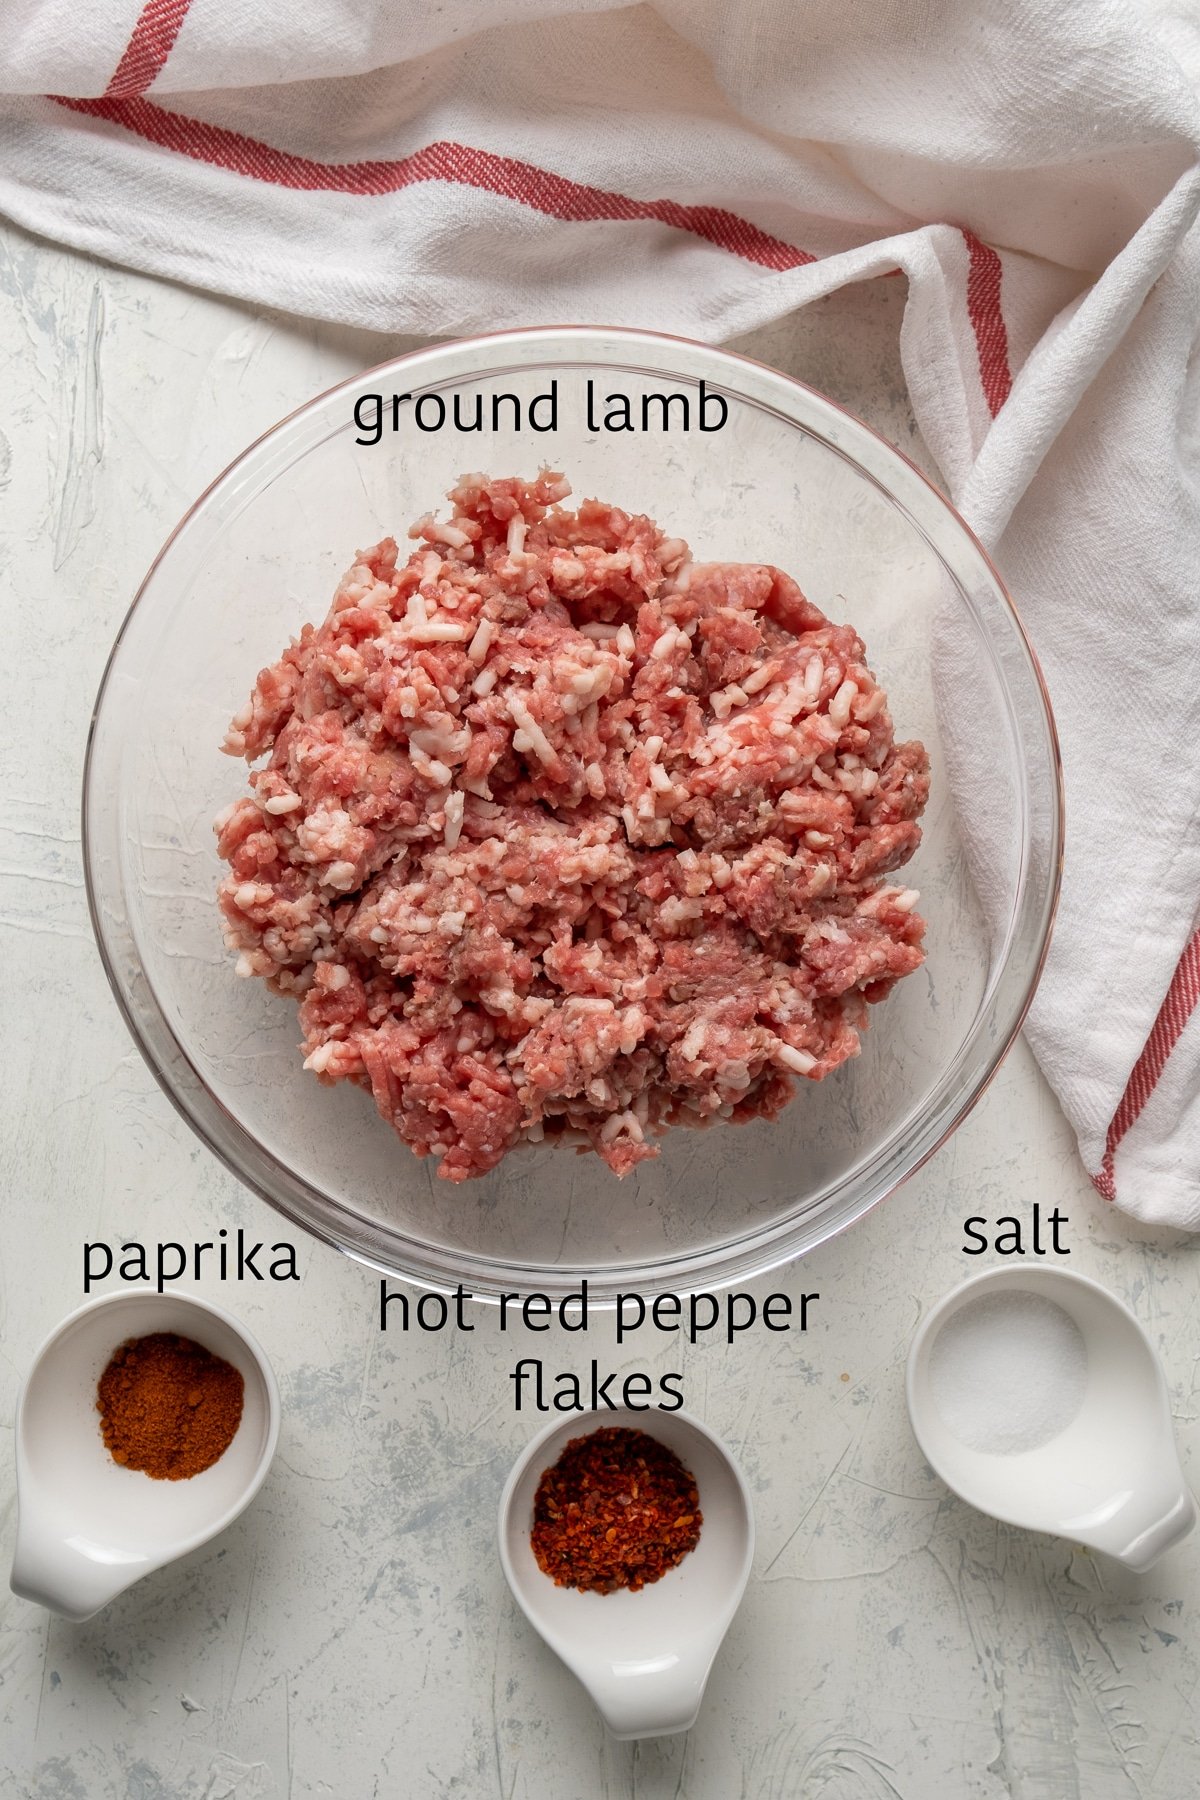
[{"x": 352, "y": 1636}]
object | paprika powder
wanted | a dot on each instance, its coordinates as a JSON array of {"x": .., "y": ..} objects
[
  {"x": 617, "y": 1510},
  {"x": 168, "y": 1406}
]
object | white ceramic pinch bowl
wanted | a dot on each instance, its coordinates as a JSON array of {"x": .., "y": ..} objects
[
  {"x": 87, "y": 1528},
  {"x": 1106, "y": 1470},
  {"x": 643, "y": 1657}
]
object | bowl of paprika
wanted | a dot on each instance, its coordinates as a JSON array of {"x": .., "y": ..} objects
[{"x": 146, "y": 1424}]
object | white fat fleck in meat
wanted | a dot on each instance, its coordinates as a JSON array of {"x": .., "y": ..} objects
[
  {"x": 677, "y": 912},
  {"x": 431, "y": 768},
  {"x": 341, "y": 875},
  {"x": 454, "y": 818},
  {"x": 529, "y": 734},
  {"x": 759, "y": 678},
  {"x": 477, "y": 649},
  {"x": 279, "y": 804},
  {"x": 440, "y": 631},
  {"x": 440, "y": 742},
  {"x": 839, "y": 706}
]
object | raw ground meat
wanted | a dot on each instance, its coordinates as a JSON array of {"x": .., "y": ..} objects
[{"x": 561, "y": 833}]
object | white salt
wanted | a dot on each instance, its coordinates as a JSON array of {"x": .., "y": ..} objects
[{"x": 1008, "y": 1373}]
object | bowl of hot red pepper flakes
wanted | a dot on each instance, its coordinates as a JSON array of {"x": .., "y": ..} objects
[{"x": 617, "y": 1510}]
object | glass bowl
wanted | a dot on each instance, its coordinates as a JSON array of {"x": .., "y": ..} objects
[{"x": 789, "y": 479}]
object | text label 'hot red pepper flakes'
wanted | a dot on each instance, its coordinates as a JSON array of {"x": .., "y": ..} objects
[{"x": 617, "y": 1510}]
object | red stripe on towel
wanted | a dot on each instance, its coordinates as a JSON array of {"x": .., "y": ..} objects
[
  {"x": 150, "y": 44},
  {"x": 987, "y": 321},
  {"x": 1182, "y": 997},
  {"x": 545, "y": 192},
  {"x": 555, "y": 195}
]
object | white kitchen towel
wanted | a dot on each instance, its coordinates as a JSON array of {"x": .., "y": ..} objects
[{"x": 1032, "y": 167}]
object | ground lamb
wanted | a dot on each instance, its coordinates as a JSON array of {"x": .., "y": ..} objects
[{"x": 555, "y": 832}]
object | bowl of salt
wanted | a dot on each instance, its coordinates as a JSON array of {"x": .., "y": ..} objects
[{"x": 1038, "y": 1398}]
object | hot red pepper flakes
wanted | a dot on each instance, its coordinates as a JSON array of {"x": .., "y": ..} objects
[{"x": 618, "y": 1509}]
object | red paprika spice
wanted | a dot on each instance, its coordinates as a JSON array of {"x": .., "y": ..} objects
[
  {"x": 617, "y": 1510},
  {"x": 168, "y": 1406}
]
